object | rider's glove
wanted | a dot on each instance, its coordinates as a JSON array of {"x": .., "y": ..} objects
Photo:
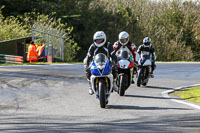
[
  {"x": 87, "y": 72},
  {"x": 87, "y": 69},
  {"x": 115, "y": 73},
  {"x": 88, "y": 76}
]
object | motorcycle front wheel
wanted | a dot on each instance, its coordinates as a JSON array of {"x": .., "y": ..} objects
[
  {"x": 102, "y": 95},
  {"x": 122, "y": 86},
  {"x": 140, "y": 76}
]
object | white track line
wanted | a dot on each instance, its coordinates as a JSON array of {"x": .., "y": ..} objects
[{"x": 165, "y": 94}]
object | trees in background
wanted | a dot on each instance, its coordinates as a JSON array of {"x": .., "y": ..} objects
[
  {"x": 12, "y": 27},
  {"x": 172, "y": 25}
]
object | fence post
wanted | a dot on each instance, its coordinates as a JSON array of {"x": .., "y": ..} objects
[
  {"x": 63, "y": 41},
  {"x": 50, "y": 33},
  {"x": 49, "y": 53}
]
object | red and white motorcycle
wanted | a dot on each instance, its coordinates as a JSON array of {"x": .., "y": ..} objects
[{"x": 125, "y": 71}]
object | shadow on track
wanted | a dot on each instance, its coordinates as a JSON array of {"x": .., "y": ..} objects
[
  {"x": 68, "y": 77},
  {"x": 33, "y": 124},
  {"x": 157, "y": 87},
  {"x": 150, "y": 97},
  {"x": 129, "y": 107}
]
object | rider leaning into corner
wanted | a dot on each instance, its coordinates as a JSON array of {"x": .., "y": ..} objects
[
  {"x": 147, "y": 49},
  {"x": 100, "y": 45},
  {"x": 130, "y": 46}
]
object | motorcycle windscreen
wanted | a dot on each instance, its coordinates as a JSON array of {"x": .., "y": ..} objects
[
  {"x": 94, "y": 70},
  {"x": 98, "y": 64},
  {"x": 123, "y": 55},
  {"x": 100, "y": 60},
  {"x": 107, "y": 68}
]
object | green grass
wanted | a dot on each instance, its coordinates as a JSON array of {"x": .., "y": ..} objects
[
  {"x": 178, "y": 61},
  {"x": 191, "y": 94}
]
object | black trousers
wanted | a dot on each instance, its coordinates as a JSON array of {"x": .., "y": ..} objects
[{"x": 153, "y": 66}]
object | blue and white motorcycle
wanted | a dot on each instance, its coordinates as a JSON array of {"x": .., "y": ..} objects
[
  {"x": 101, "y": 78},
  {"x": 144, "y": 65}
]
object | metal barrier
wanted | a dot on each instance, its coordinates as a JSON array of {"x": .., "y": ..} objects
[
  {"x": 53, "y": 38},
  {"x": 11, "y": 59}
]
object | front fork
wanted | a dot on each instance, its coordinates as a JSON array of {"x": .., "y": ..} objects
[
  {"x": 107, "y": 85},
  {"x": 144, "y": 74}
]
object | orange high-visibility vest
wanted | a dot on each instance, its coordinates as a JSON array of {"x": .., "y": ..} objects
[{"x": 32, "y": 54}]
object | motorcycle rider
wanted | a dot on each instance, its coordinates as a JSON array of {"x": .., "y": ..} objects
[
  {"x": 124, "y": 41},
  {"x": 148, "y": 50},
  {"x": 100, "y": 45}
]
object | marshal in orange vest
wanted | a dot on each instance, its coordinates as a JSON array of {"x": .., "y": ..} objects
[{"x": 32, "y": 53}]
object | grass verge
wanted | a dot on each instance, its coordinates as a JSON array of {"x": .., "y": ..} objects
[
  {"x": 177, "y": 61},
  {"x": 191, "y": 94}
]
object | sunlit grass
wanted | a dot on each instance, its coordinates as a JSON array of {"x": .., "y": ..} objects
[
  {"x": 178, "y": 61},
  {"x": 191, "y": 94}
]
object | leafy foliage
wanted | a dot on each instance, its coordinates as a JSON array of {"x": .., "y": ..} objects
[
  {"x": 172, "y": 25},
  {"x": 11, "y": 28},
  {"x": 14, "y": 27}
]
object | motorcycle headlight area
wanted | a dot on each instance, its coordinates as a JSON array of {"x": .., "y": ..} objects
[
  {"x": 100, "y": 61},
  {"x": 101, "y": 65}
]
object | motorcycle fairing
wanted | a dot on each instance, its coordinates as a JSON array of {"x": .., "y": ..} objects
[
  {"x": 123, "y": 64},
  {"x": 145, "y": 62},
  {"x": 94, "y": 70},
  {"x": 107, "y": 68}
]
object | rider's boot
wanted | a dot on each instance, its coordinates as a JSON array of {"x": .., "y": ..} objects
[
  {"x": 151, "y": 74},
  {"x": 133, "y": 82},
  {"x": 152, "y": 69},
  {"x": 115, "y": 88},
  {"x": 134, "y": 72},
  {"x": 91, "y": 92}
]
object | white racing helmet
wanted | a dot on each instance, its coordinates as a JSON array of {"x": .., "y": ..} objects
[
  {"x": 99, "y": 38},
  {"x": 147, "y": 41},
  {"x": 123, "y": 37}
]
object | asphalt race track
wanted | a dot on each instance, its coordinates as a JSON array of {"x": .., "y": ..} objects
[{"x": 54, "y": 98}]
